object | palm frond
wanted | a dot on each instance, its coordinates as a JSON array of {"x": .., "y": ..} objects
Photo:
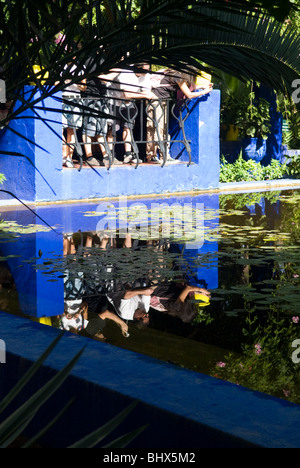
[
  {"x": 255, "y": 47},
  {"x": 230, "y": 36}
]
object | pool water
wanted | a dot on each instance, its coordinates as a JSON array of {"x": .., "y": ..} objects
[{"x": 243, "y": 248}]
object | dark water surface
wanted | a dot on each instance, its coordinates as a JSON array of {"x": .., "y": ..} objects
[{"x": 243, "y": 249}]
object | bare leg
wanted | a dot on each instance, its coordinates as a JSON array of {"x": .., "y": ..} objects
[
  {"x": 103, "y": 242},
  {"x": 89, "y": 241},
  {"x": 68, "y": 146},
  {"x": 127, "y": 241},
  {"x": 110, "y": 140},
  {"x": 68, "y": 246},
  {"x": 87, "y": 140},
  {"x": 127, "y": 139},
  {"x": 127, "y": 145}
]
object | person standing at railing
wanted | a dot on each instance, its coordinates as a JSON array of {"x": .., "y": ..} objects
[
  {"x": 71, "y": 117},
  {"x": 133, "y": 85},
  {"x": 165, "y": 88},
  {"x": 95, "y": 123},
  {"x": 3, "y": 104}
]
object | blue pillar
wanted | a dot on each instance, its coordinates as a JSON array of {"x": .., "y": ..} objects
[
  {"x": 202, "y": 129},
  {"x": 274, "y": 141},
  {"x": 31, "y": 151}
]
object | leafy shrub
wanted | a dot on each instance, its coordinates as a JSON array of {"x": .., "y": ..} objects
[
  {"x": 293, "y": 166},
  {"x": 253, "y": 119},
  {"x": 246, "y": 171},
  {"x": 274, "y": 171}
]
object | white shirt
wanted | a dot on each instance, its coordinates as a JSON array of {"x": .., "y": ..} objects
[
  {"x": 113, "y": 91},
  {"x": 145, "y": 82},
  {"x": 74, "y": 322},
  {"x": 127, "y": 307},
  {"x": 72, "y": 90},
  {"x": 132, "y": 83}
]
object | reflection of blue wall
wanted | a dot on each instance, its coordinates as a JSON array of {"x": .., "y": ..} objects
[
  {"x": 36, "y": 173},
  {"x": 204, "y": 276},
  {"x": 40, "y": 297},
  {"x": 37, "y": 295}
]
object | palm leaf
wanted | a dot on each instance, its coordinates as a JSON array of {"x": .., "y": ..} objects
[
  {"x": 125, "y": 439},
  {"x": 97, "y": 436},
  {"x": 263, "y": 51},
  {"x": 15, "y": 424},
  {"x": 48, "y": 426},
  {"x": 30, "y": 373},
  {"x": 229, "y": 36}
]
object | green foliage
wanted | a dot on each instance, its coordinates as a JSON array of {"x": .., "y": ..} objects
[
  {"x": 245, "y": 171},
  {"x": 290, "y": 112},
  {"x": 240, "y": 171},
  {"x": 265, "y": 364},
  {"x": 233, "y": 92},
  {"x": 291, "y": 138},
  {"x": 16, "y": 423},
  {"x": 293, "y": 166},
  {"x": 242, "y": 109},
  {"x": 268, "y": 307},
  {"x": 274, "y": 171},
  {"x": 253, "y": 118},
  {"x": 204, "y": 317}
]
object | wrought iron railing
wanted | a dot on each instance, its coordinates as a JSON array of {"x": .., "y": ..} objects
[{"x": 136, "y": 114}]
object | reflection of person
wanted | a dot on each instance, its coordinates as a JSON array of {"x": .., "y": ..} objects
[
  {"x": 172, "y": 301},
  {"x": 108, "y": 239},
  {"x": 104, "y": 312},
  {"x": 74, "y": 318},
  {"x": 188, "y": 290},
  {"x": 133, "y": 305},
  {"x": 77, "y": 319},
  {"x": 98, "y": 323}
]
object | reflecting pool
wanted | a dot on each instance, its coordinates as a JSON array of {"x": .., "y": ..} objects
[{"x": 209, "y": 283}]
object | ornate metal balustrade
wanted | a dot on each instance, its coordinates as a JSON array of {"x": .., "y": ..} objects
[{"x": 137, "y": 115}]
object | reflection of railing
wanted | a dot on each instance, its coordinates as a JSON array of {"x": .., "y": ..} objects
[
  {"x": 99, "y": 266},
  {"x": 137, "y": 116}
]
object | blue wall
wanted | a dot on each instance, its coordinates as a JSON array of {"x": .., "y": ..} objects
[
  {"x": 37, "y": 175},
  {"x": 181, "y": 408}
]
